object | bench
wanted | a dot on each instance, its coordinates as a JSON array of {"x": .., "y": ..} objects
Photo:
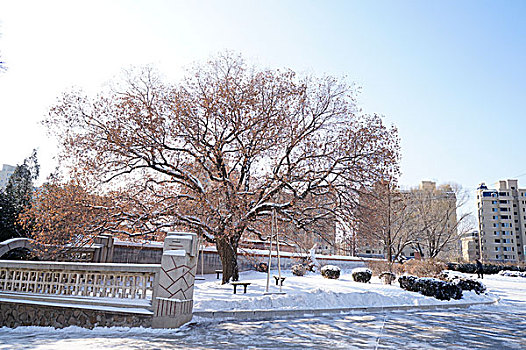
[
  {"x": 218, "y": 272},
  {"x": 277, "y": 278},
  {"x": 244, "y": 284}
]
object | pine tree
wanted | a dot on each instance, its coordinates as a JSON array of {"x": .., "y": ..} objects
[{"x": 17, "y": 196}]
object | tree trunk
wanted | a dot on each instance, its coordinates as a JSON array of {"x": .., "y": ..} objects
[{"x": 227, "y": 250}]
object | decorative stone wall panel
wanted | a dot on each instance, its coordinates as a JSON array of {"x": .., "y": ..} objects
[{"x": 15, "y": 315}]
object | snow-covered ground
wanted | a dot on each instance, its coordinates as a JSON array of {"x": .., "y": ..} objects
[
  {"x": 311, "y": 291},
  {"x": 495, "y": 326}
]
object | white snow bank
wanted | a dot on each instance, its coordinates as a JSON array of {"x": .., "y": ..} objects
[{"x": 311, "y": 291}]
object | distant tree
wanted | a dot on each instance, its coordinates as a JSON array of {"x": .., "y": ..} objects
[
  {"x": 383, "y": 219},
  {"x": 16, "y": 197},
  {"x": 438, "y": 221},
  {"x": 223, "y": 149}
]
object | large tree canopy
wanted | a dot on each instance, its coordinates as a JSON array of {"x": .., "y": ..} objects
[{"x": 220, "y": 150}]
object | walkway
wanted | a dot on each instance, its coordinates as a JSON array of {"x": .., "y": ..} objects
[{"x": 482, "y": 327}]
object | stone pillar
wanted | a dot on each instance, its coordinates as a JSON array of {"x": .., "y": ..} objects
[
  {"x": 103, "y": 248},
  {"x": 174, "y": 285}
]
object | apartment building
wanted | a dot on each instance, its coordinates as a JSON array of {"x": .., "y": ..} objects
[
  {"x": 502, "y": 222},
  {"x": 470, "y": 246},
  {"x": 5, "y": 173}
]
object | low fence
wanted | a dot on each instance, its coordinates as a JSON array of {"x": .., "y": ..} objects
[
  {"x": 209, "y": 260},
  {"x": 106, "y": 249},
  {"x": 122, "y": 281},
  {"x": 60, "y": 294}
]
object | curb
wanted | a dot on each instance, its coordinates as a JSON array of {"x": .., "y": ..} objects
[{"x": 269, "y": 314}]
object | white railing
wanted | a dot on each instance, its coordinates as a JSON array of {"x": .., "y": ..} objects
[{"x": 124, "y": 281}]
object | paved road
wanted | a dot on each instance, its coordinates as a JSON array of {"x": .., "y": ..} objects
[{"x": 485, "y": 327}]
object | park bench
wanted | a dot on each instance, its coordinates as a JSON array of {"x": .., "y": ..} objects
[
  {"x": 244, "y": 284},
  {"x": 281, "y": 280},
  {"x": 218, "y": 272}
]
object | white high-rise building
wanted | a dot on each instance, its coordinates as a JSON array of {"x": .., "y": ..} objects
[
  {"x": 502, "y": 222},
  {"x": 5, "y": 173}
]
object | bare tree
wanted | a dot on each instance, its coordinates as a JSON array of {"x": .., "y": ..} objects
[
  {"x": 437, "y": 219},
  {"x": 222, "y": 149},
  {"x": 383, "y": 219}
]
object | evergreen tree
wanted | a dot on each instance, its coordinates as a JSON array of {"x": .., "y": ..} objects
[{"x": 16, "y": 197}]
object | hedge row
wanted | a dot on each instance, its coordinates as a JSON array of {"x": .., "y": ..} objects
[
  {"x": 464, "y": 283},
  {"x": 432, "y": 287},
  {"x": 489, "y": 269}
]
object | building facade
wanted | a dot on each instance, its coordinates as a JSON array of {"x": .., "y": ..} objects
[
  {"x": 5, "y": 173},
  {"x": 502, "y": 222},
  {"x": 470, "y": 246}
]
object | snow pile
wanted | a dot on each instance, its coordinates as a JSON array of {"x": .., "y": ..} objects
[
  {"x": 512, "y": 273},
  {"x": 311, "y": 291}
]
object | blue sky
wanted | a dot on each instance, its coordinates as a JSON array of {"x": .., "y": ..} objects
[{"x": 450, "y": 75}]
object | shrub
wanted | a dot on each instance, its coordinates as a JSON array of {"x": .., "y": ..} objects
[
  {"x": 298, "y": 270},
  {"x": 380, "y": 266},
  {"x": 489, "y": 269},
  {"x": 362, "y": 275},
  {"x": 408, "y": 283},
  {"x": 423, "y": 268},
  {"x": 387, "y": 277},
  {"x": 261, "y": 267},
  {"x": 432, "y": 287},
  {"x": 469, "y": 284},
  {"x": 330, "y": 271},
  {"x": 464, "y": 283}
]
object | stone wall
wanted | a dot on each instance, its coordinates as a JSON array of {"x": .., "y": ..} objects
[
  {"x": 151, "y": 254},
  {"x": 137, "y": 255},
  {"x": 14, "y": 314},
  {"x": 247, "y": 262}
]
